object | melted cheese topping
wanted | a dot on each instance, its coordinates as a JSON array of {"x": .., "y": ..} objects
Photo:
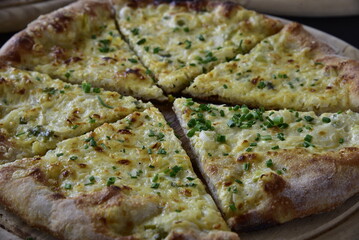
[
  {"x": 93, "y": 50},
  {"x": 178, "y": 43},
  {"x": 38, "y": 112},
  {"x": 277, "y": 73},
  {"x": 234, "y": 145},
  {"x": 141, "y": 155}
]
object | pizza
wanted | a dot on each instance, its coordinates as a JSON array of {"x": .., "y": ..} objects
[
  {"x": 79, "y": 42},
  {"x": 37, "y": 112},
  {"x": 288, "y": 70},
  {"x": 180, "y": 40},
  {"x": 82, "y": 157},
  {"x": 266, "y": 167},
  {"x": 126, "y": 180}
]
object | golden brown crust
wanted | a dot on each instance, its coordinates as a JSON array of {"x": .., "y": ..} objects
[
  {"x": 43, "y": 208},
  {"x": 56, "y": 24},
  {"x": 313, "y": 183}
]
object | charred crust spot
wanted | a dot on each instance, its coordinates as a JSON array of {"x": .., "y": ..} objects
[
  {"x": 228, "y": 183},
  {"x": 109, "y": 59},
  {"x": 290, "y": 60},
  {"x": 124, "y": 131},
  {"x": 25, "y": 42},
  {"x": 38, "y": 174},
  {"x": 156, "y": 145},
  {"x": 65, "y": 173},
  {"x": 124, "y": 161},
  {"x": 82, "y": 165},
  {"x": 124, "y": 187},
  {"x": 329, "y": 87},
  {"x": 72, "y": 60},
  {"x": 186, "y": 192},
  {"x": 255, "y": 80},
  {"x": 57, "y": 196},
  {"x": 135, "y": 71},
  {"x": 98, "y": 149},
  {"x": 213, "y": 169},
  {"x": 21, "y": 91},
  {"x": 61, "y": 22},
  {"x": 246, "y": 157},
  {"x": 2, "y": 80},
  {"x": 273, "y": 183}
]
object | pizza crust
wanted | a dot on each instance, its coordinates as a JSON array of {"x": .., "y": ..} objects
[
  {"x": 40, "y": 207},
  {"x": 58, "y": 22}
]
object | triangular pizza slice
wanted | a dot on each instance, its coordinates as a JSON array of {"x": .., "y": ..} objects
[
  {"x": 266, "y": 167},
  {"x": 81, "y": 42},
  {"x": 37, "y": 112},
  {"x": 179, "y": 40},
  {"x": 291, "y": 69},
  {"x": 126, "y": 180}
]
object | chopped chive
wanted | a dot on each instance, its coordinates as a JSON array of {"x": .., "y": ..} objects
[
  {"x": 103, "y": 103},
  {"x": 308, "y": 138},
  {"x": 132, "y": 60},
  {"x": 86, "y": 87},
  {"x": 111, "y": 181},
  {"x": 221, "y": 138},
  {"x": 246, "y": 166},
  {"x": 155, "y": 185},
  {"x": 249, "y": 149},
  {"x": 269, "y": 163},
  {"x": 142, "y": 41},
  {"x": 326, "y": 120},
  {"x": 308, "y": 118}
]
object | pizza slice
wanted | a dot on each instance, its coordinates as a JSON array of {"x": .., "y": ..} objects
[
  {"x": 37, "y": 112},
  {"x": 178, "y": 40},
  {"x": 81, "y": 42},
  {"x": 126, "y": 180},
  {"x": 291, "y": 69},
  {"x": 267, "y": 167}
]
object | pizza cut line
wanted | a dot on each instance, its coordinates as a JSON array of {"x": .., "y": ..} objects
[{"x": 86, "y": 176}]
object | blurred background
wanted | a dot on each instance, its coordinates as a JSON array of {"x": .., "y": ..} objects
[{"x": 339, "y": 18}]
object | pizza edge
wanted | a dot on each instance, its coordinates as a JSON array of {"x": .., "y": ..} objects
[
  {"x": 292, "y": 198},
  {"x": 348, "y": 69},
  {"x": 21, "y": 44}
]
